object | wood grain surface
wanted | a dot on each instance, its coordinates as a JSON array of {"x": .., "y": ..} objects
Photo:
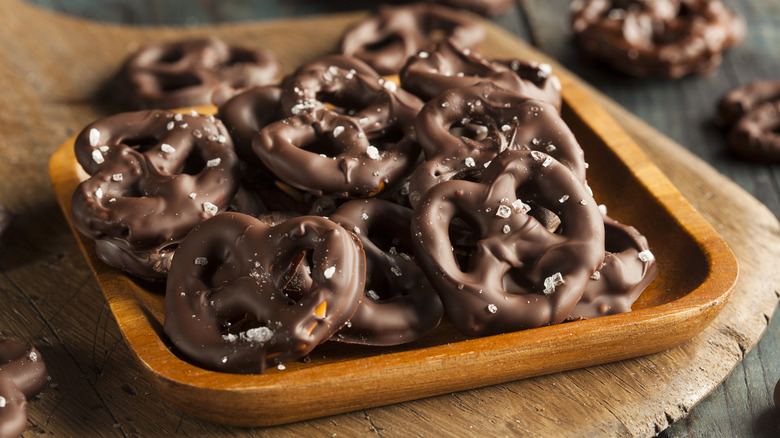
[{"x": 99, "y": 391}]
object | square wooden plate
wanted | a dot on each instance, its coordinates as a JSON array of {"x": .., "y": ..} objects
[{"x": 697, "y": 274}]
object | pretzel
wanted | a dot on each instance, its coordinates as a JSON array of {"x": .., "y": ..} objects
[
  {"x": 661, "y": 38},
  {"x": 447, "y": 65},
  {"x": 239, "y": 298},
  {"x": 751, "y": 113},
  {"x": 23, "y": 375},
  {"x": 628, "y": 268},
  {"x": 463, "y": 129},
  {"x": 155, "y": 175},
  {"x": 399, "y": 305},
  {"x": 184, "y": 73},
  {"x": 13, "y": 408},
  {"x": 500, "y": 269},
  {"x": 393, "y": 33},
  {"x": 246, "y": 113}
]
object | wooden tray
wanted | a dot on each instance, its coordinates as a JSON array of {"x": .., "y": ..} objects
[{"x": 698, "y": 273}]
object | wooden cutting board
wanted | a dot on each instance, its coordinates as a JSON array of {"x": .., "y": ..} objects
[{"x": 51, "y": 64}]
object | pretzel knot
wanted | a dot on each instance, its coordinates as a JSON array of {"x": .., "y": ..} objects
[
  {"x": 752, "y": 115},
  {"x": 349, "y": 133},
  {"x": 399, "y": 305},
  {"x": 664, "y": 38},
  {"x": 155, "y": 175},
  {"x": 496, "y": 267},
  {"x": 184, "y": 73},
  {"x": 23, "y": 375},
  {"x": 243, "y": 295},
  {"x": 393, "y": 34},
  {"x": 463, "y": 129},
  {"x": 447, "y": 65}
]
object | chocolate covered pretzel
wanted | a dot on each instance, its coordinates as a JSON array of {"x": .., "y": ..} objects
[
  {"x": 751, "y": 113},
  {"x": 246, "y": 113},
  {"x": 184, "y": 73},
  {"x": 23, "y": 375},
  {"x": 155, "y": 175},
  {"x": 463, "y": 129},
  {"x": 399, "y": 305},
  {"x": 447, "y": 65},
  {"x": 661, "y": 38},
  {"x": 242, "y": 295},
  {"x": 628, "y": 268},
  {"x": 496, "y": 268},
  {"x": 393, "y": 33},
  {"x": 349, "y": 134}
]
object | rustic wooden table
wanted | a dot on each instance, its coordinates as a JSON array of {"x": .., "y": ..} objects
[{"x": 682, "y": 110}]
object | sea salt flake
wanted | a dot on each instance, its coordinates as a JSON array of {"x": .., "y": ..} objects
[
  {"x": 230, "y": 337},
  {"x": 214, "y": 162},
  {"x": 396, "y": 270},
  {"x": 97, "y": 156},
  {"x": 170, "y": 126},
  {"x": 94, "y": 137},
  {"x": 551, "y": 282},
  {"x": 337, "y": 131},
  {"x": 596, "y": 275},
  {"x": 328, "y": 273},
  {"x": 373, "y": 295},
  {"x": 197, "y": 134},
  {"x": 117, "y": 177},
  {"x": 259, "y": 334},
  {"x": 503, "y": 211},
  {"x": 2, "y": 401},
  {"x": 193, "y": 195},
  {"x": 224, "y": 359},
  {"x": 556, "y": 83},
  {"x": 372, "y": 152},
  {"x": 547, "y": 161},
  {"x": 545, "y": 70},
  {"x": 603, "y": 209},
  {"x": 210, "y": 209},
  {"x": 178, "y": 117},
  {"x": 193, "y": 113},
  {"x": 103, "y": 148},
  {"x": 356, "y": 230},
  {"x": 538, "y": 156},
  {"x": 492, "y": 308},
  {"x": 550, "y": 148},
  {"x": 506, "y": 229},
  {"x": 281, "y": 367},
  {"x": 563, "y": 199},
  {"x": 364, "y": 216},
  {"x": 520, "y": 206},
  {"x": 646, "y": 256},
  {"x": 469, "y": 162},
  {"x": 423, "y": 55},
  {"x": 221, "y": 138},
  {"x": 505, "y": 128},
  {"x": 389, "y": 86},
  {"x": 99, "y": 193},
  {"x": 33, "y": 356},
  {"x": 201, "y": 261},
  {"x": 168, "y": 149}
]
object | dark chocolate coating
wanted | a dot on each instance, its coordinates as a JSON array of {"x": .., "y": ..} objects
[
  {"x": 661, "y": 38},
  {"x": 13, "y": 408},
  {"x": 742, "y": 100},
  {"x": 184, "y": 73},
  {"x": 399, "y": 304},
  {"x": 394, "y": 33},
  {"x": 512, "y": 273},
  {"x": 429, "y": 73},
  {"x": 508, "y": 121},
  {"x": 246, "y": 113},
  {"x": 156, "y": 175},
  {"x": 230, "y": 304},
  {"x": 754, "y": 137},
  {"x": 24, "y": 365},
  {"x": 622, "y": 276}
]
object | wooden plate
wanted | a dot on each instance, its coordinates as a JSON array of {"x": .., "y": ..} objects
[{"x": 697, "y": 274}]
